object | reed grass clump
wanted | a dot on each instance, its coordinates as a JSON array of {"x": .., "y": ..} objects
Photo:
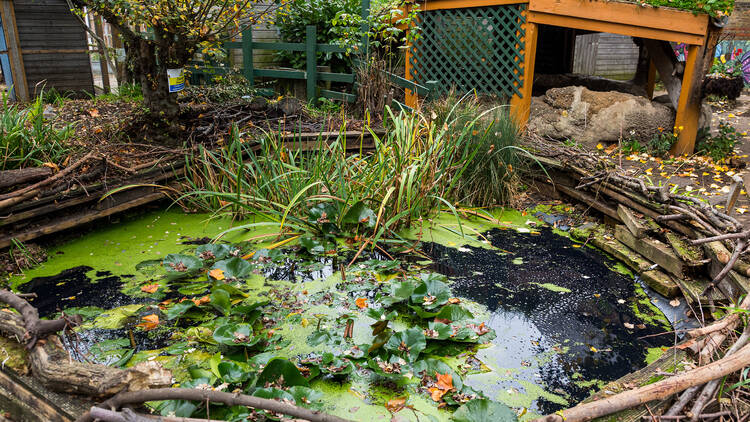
[
  {"x": 27, "y": 139},
  {"x": 421, "y": 165}
]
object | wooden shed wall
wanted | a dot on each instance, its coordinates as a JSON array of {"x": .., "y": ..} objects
[
  {"x": 54, "y": 47},
  {"x": 607, "y": 55}
]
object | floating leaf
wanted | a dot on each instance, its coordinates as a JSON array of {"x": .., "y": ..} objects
[
  {"x": 178, "y": 263},
  {"x": 281, "y": 371},
  {"x": 395, "y": 405},
  {"x": 150, "y": 288},
  {"x": 431, "y": 294},
  {"x": 361, "y": 303},
  {"x": 336, "y": 366},
  {"x": 220, "y": 301},
  {"x": 360, "y": 214},
  {"x": 234, "y": 268},
  {"x": 235, "y": 335},
  {"x": 149, "y": 322},
  {"x": 178, "y": 309},
  {"x": 483, "y": 410},
  {"x": 408, "y": 343},
  {"x": 399, "y": 292},
  {"x": 213, "y": 251},
  {"x": 217, "y": 274}
]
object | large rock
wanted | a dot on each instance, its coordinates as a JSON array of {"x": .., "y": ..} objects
[{"x": 590, "y": 117}]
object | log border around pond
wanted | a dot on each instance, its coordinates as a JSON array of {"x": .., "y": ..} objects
[{"x": 61, "y": 208}]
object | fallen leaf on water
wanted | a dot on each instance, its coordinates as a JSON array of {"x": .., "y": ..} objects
[
  {"x": 593, "y": 349},
  {"x": 361, "y": 303},
  {"x": 149, "y": 322},
  {"x": 150, "y": 288},
  {"x": 395, "y": 405},
  {"x": 454, "y": 300},
  {"x": 201, "y": 301},
  {"x": 444, "y": 381},
  {"x": 628, "y": 325},
  {"x": 675, "y": 302},
  {"x": 217, "y": 273}
]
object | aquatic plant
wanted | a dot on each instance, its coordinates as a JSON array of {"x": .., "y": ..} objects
[
  {"x": 27, "y": 138},
  {"x": 419, "y": 167}
]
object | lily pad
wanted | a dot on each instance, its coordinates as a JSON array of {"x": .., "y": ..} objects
[
  {"x": 431, "y": 294},
  {"x": 333, "y": 365},
  {"x": 221, "y": 301},
  {"x": 181, "y": 264},
  {"x": 234, "y": 268},
  {"x": 178, "y": 309},
  {"x": 360, "y": 214},
  {"x": 483, "y": 410},
  {"x": 399, "y": 292},
  {"x": 408, "y": 343},
  {"x": 212, "y": 251},
  {"x": 281, "y": 371},
  {"x": 235, "y": 335}
]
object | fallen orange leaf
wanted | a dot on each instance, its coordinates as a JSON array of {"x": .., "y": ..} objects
[
  {"x": 217, "y": 273},
  {"x": 94, "y": 112},
  {"x": 361, "y": 303},
  {"x": 149, "y": 322},
  {"x": 150, "y": 288},
  {"x": 395, "y": 405},
  {"x": 444, "y": 381},
  {"x": 201, "y": 301},
  {"x": 436, "y": 393}
]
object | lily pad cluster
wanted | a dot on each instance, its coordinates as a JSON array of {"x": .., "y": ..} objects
[{"x": 224, "y": 330}]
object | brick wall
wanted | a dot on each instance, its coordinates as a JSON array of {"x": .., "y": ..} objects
[{"x": 739, "y": 21}]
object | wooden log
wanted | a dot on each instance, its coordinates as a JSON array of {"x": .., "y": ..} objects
[
  {"x": 20, "y": 176},
  {"x": 692, "y": 255},
  {"x": 659, "y": 390},
  {"x": 633, "y": 223},
  {"x": 654, "y": 250}
]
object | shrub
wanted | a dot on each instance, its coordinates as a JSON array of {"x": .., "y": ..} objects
[
  {"x": 295, "y": 15},
  {"x": 720, "y": 146},
  {"x": 27, "y": 138}
]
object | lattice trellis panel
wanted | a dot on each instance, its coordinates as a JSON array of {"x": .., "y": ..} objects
[{"x": 471, "y": 48}]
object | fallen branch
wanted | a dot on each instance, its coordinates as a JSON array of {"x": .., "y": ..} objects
[
  {"x": 45, "y": 182},
  {"x": 203, "y": 396},
  {"x": 678, "y": 417},
  {"x": 35, "y": 327},
  {"x": 657, "y": 391},
  {"x": 128, "y": 415}
]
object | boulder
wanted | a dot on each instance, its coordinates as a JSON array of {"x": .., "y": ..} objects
[{"x": 591, "y": 117}]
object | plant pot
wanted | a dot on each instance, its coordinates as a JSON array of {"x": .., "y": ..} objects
[{"x": 724, "y": 86}]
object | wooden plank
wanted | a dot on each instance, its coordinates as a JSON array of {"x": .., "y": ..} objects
[
  {"x": 636, "y": 227},
  {"x": 21, "y": 87},
  {"x": 36, "y": 404},
  {"x": 653, "y": 250},
  {"x": 626, "y": 13},
  {"x": 613, "y": 27},
  {"x": 521, "y": 105},
  {"x": 53, "y": 50},
  {"x": 77, "y": 220},
  {"x": 410, "y": 96},
  {"x": 688, "y": 106}
]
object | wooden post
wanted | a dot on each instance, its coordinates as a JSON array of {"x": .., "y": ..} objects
[
  {"x": 312, "y": 68},
  {"x": 689, "y": 105},
  {"x": 98, "y": 28},
  {"x": 247, "y": 55},
  {"x": 365, "y": 28},
  {"x": 410, "y": 97},
  {"x": 119, "y": 53},
  {"x": 520, "y": 106},
  {"x": 651, "y": 81},
  {"x": 18, "y": 71}
]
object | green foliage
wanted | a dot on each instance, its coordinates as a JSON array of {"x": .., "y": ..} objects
[
  {"x": 715, "y": 8},
  {"x": 728, "y": 66},
  {"x": 662, "y": 142},
  {"x": 418, "y": 168},
  {"x": 483, "y": 410},
  {"x": 720, "y": 146},
  {"x": 27, "y": 139},
  {"x": 295, "y": 15}
]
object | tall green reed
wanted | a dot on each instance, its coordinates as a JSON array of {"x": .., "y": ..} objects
[
  {"x": 27, "y": 138},
  {"x": 420, "y": 166}
]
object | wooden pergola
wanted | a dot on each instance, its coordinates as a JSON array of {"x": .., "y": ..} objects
[{"x": 625, "y": 18}]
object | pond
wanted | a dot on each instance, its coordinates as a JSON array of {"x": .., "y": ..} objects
[{"x": 567, "y": 319}]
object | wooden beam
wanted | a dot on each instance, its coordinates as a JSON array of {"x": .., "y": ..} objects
[
  {"x": 461, "y": 4},
  {"x": 626, "y": 13},
  {"x": 410, "y": 99},
  {"x": 520, "y": 106},
  {"x": 614, "y": 28},
  {"x": 8, "y": 15},
  {"x": 689, "y": 106}
]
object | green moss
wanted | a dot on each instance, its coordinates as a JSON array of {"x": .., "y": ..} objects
[
  {"x": 653, "y": 353},
  {"x": 553, "y": 287},
  {"x": 647, "y": 311},
  {"x": 712, "y": 8}
]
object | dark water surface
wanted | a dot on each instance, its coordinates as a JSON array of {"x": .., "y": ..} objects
[{"x": 556, "y": 337}]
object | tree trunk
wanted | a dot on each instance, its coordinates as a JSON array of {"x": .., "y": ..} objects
[
  {"x": 670, "y": 70},
  {"x": 153, "y": 78}
]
